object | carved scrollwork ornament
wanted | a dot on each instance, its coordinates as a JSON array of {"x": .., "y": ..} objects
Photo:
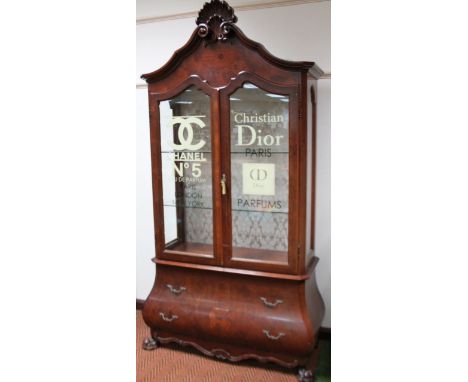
[
  {"x": 215, "y": 20},
  {"x": 203, "y": 30}
]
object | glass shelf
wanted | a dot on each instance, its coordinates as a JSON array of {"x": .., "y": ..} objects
[
  {"x": 234, "y": 209},
  {"x": 183, "y": 151},
  {"x": 270, "y": 152}
]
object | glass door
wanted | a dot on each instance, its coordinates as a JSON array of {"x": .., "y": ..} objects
[
  {"x": 258, "y": 168},
  {"x": 186, "y": 175}
]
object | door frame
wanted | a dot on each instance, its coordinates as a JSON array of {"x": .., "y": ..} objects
[
  {"x": 154, "y": 99},
  {"x": 292, "y": 91}
]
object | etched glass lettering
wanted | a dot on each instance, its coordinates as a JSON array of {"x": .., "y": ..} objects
[
  {"x": 259, "y": 175},
  {"x": 186, "y": 173}
]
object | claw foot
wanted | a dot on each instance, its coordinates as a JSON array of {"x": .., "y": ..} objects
[
  {"x": 305, "y": 375},
  {"x": 150, "y": 344}
]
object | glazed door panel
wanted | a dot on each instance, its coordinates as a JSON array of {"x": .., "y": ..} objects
[
  {"x": 187, "y": 163},
  {"x": 259, "y": 135}
]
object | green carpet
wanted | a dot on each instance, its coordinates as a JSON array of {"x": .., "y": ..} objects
[{"x": 323, "y": 371}]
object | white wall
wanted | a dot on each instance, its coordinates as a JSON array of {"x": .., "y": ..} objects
[
  {"x": 144, "y": 200},
  {"x": 299, "y": 32}
]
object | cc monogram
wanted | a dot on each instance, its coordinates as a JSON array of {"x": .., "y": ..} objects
[{"x": 185, "y": 133}]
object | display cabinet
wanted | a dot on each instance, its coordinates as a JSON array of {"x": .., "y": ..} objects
[{"x": 233, "y": 169}]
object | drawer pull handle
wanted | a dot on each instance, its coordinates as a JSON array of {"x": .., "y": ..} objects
[
  {"x": 168, "y": 319},
  {"x": 271, "y": 337},
  {"x": 175, "y": 290},
  {"x": 270, "y": 304}
]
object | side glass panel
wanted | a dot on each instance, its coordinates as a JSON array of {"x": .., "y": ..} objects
[
  {"x": 186, "y": 173},
  {"x": 259, "y": 175}
]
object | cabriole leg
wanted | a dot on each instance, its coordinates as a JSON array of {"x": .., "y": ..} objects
[
  {"x": 307, "y": 372},
  {"x": 150, "y": 343},
  {"x": 305, "y": 375}
]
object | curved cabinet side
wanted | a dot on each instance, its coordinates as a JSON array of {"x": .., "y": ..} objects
[{"x": 224, "y": 311}]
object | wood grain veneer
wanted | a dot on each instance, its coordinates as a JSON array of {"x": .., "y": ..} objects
[{"x": 230, "y": 302}]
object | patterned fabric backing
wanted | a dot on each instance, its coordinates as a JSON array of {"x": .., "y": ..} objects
[{"x": 258, "y": 221}]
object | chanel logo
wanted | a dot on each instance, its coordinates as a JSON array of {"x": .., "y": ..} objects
[
  {"x": 258, "y": 174},
  {"x": 185, "y": 133}
]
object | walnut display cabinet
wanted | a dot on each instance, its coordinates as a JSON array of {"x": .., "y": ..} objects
[{"x": 233, "y": 169}]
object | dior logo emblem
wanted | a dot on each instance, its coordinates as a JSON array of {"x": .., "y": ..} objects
[
  {"x": 258, "y": 174},
  {"x": 185, "y": 133},
  {"x": 258, "y": 178}
]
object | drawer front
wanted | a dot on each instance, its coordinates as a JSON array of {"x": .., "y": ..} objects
[
  {"x": 257, "y": 313},
  {"x": 271, "y": 315}
]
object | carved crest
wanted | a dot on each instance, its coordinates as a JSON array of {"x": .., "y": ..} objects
[{"x": 215, "y": 20}]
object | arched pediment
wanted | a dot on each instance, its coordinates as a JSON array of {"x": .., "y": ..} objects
[{"x": 216, "y": 25}]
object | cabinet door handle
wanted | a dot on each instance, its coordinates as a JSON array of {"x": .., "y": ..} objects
[
  {"x": 168, "y": 319},
  {"x": 271, "y": 337},
  {"x": 175, "y": 290},
  {"x": 271, "y": 304},
  {"x": 223, "y": 184}
]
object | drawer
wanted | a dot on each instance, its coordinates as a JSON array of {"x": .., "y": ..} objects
[
  {"x": 270, "y": 317},
  {"x": 252, "y": 312}
]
